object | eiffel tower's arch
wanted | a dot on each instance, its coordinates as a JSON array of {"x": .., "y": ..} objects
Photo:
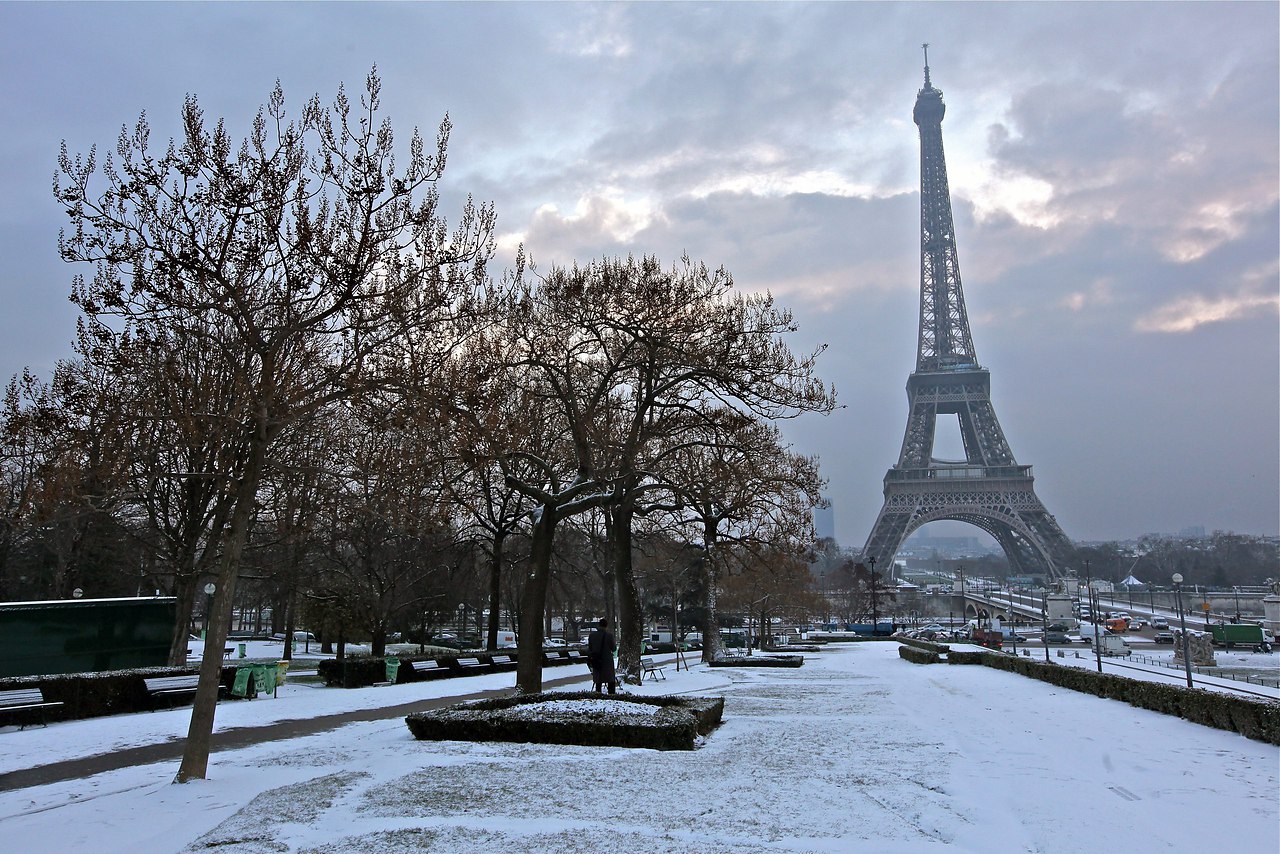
[{"x": 1019, "y": 543}]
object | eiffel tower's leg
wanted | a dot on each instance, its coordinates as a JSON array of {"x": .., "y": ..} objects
[
  {"x": 983, "y": 438},
  {"x": 888, "y": 532},
  {"x": 917, "y": 443}
]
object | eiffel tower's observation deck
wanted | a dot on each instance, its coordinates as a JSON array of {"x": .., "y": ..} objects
[{"x": 988, "y": 489}]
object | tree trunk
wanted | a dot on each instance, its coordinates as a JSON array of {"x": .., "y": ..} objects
[
  {"x": 186, "y": 593},
  {"x": 378, "y": 643},
  {"x": 289, "y": 624},
  {"x": 533, "y": 602},
  {"x": 195, "y": 755},
  {"x": 495, "y": 590},
  {"x": 630, "y": 611},
  {"x": 712, "y": 647}
]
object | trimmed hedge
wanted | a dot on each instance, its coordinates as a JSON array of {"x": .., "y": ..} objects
[
  {"x": 926, "y": 645},
  {"x": 111, "y": 692},
  {"x": 1258, "y": 720},
  {"x": 758, "y": 661},
  {"x": 676, "y": 726},
  {"x": 919, "y": 656},
  {"x": 361, "y": 671}
]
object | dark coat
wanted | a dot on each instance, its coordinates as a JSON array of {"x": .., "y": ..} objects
[{"x": 600, "y": 648}]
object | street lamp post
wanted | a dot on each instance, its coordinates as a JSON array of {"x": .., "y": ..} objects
[
  {"x": 824, "y": 598},
  {"x": 874, "y": 606},
  {"x": 1182, "y": 621},
  {"x": 208, "y": 607},
  {"x": 1237, "y": 592},
  {"x": 1044, "y": 621},
  {"x": 1093, "y": 613}
]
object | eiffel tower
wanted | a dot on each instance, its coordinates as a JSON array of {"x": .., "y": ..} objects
[{"x": 988, "y": 488}]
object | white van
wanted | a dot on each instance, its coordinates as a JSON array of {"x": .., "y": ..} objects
[{"x": 1113, "y": 645}]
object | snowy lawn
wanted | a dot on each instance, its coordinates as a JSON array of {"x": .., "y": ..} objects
[{"x": 857, "y": 750}]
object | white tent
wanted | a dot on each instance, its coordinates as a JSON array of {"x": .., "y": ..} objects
[{"x": 1130, "y": 581}]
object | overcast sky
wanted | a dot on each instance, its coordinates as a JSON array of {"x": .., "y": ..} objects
[{"x": 1114, "y": 176}]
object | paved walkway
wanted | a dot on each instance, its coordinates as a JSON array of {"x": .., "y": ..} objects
[{"x": 231, "y": 739}]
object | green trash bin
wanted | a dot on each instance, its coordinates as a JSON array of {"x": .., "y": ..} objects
[
  {"x": 243, "y": 649},
  {"x": 393, "y": 667},
  {"x": 240, "y": 687},
  {"x": 265, "y": 676}
]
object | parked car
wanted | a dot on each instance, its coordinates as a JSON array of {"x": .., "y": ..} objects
[
  {"x": 1057, "y": 637},
  {"x": 556, "y": 642},
  {"x": 1164, "y": 637},
  {"x": 300, "y": 637},
  {"x": 1159, "y": 623}
]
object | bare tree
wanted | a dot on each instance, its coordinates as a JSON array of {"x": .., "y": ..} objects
[
  {"x": 618, "y": 361},
  {"x": 314, "y": 258},
  {"x": 742, "y": 487},
  {"x": 387, "y": 519}
]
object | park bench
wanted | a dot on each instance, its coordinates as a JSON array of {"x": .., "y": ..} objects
[
  {"x": 552, "y": 657},
  {"x": 25, "y": 703},
  {"x": 226, "y": 653},
  {"x": 469, "y": 663},
  {"x": 575, "y": 655},
  {"x": 169, "y": 686},
  {"x": 503, "y": 662},
  {"x": 425, "y": 669},
  {"x": 649, "y": 667}
]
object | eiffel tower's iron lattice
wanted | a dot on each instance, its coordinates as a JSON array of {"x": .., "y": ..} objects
[{"x": 988, "y": 489}]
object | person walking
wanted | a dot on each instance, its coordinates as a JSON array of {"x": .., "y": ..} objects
[{"x": 600, "y": 649}]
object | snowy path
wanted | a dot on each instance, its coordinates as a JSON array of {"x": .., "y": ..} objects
[{"x": 856, "y": 751}]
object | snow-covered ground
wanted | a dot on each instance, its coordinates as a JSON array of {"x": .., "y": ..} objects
[{"x": 856, "y": 751}]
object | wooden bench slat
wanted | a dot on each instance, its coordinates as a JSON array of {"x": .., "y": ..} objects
[
  {"x": 26, "y": 700},
  {"x": 158, "y": 686},
  {"x": 21, "y": 695}
]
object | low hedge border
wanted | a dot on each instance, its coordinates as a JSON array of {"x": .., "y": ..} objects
[
  {"x": 1254, "y": 719},
  {"x": 926, "y": 645},
  {"x": 758, "y": 661},
  {"x": 919, "y": 656},
  {"x": 361, "y": 671},
  {"x": 111, "y": 692},
  {"x": 676, "y": 726}
]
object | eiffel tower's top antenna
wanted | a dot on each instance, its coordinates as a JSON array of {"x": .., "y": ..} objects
[{"x": 927, "y": 84}]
